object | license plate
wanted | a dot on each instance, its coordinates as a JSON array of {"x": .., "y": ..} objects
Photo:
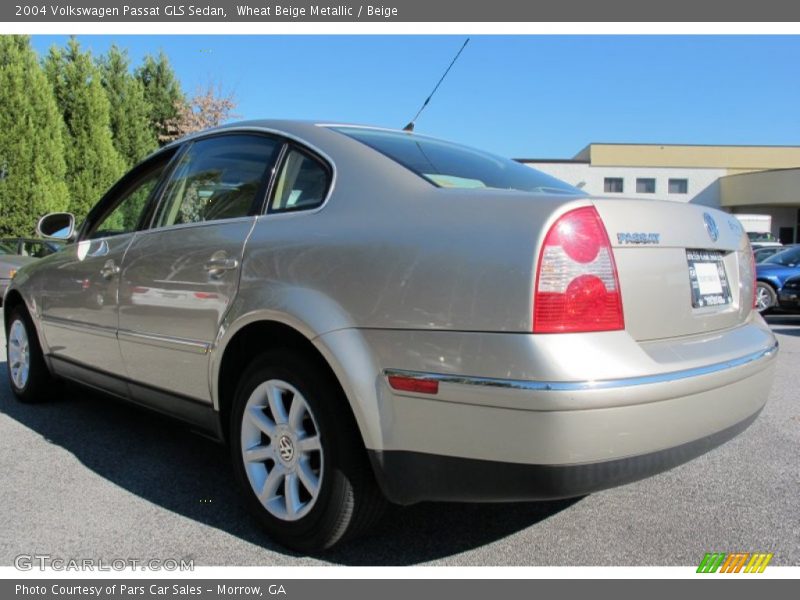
[{"x": 708, "y": 278}]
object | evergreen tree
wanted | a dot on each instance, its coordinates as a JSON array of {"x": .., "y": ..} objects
[
  {"x": 93, "y": 164},
  {"x": 130, "y": 112},
  {"x": 32, "y": 165},
  {"x": 163, "y": 92}
]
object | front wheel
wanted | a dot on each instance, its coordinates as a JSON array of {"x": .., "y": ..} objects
[
  {"x": 766, "y": 298},
  {"x": 298, "y": 456},
  {"x": 27, "y": 372}
]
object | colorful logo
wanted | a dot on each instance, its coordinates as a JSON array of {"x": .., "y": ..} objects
[{"x": 736, "y": 562}]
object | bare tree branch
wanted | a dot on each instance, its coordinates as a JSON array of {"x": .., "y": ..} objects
[{"x": 209, "y": 107}]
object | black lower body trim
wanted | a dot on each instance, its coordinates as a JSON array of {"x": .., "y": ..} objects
[
  {"x": 410, "y": 477},
  {"x": 196, "y": 413}
]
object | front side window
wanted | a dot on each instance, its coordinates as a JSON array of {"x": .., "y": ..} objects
[
  {"x": 449, "y": 165},
  {"x": 302, "y": 184},
  {"x": 217, "y": 178},
  {"x": 124, "y": 217}
]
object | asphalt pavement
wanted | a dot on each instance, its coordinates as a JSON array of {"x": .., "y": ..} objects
[{"x": 85, "y": 476}]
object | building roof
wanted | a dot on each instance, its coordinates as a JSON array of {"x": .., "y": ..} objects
[{"x": 550, "y": 160}]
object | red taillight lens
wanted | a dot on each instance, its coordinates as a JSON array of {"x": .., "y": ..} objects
[
  {"x": 413, "y": 384},
  {"x": 577, "y": 287},
  {"x": 755, "y": 282}
]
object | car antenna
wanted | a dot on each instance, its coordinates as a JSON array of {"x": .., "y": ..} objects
[{"x": 410, "y": 126}]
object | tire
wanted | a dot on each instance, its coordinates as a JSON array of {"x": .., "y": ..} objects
[
  {"x": 766, "y": 298},
  {"x": 28, "y": 375},
  {"x": 308, "y": 462}
]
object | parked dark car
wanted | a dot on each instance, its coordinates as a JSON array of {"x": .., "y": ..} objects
[
  {"x": 789, "y": 298},
  {"x": 762, "y": 254},
  {"x": 32, "y": 246},
  {"x": 771, "y": 275},
  {"x": 10, "y": 262}
]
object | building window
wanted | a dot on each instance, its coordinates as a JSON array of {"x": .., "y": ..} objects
[
  {"x": 613, "y": 185},
  {"x": 645, "y": 185},
  {"x": 678, "y": 186}
]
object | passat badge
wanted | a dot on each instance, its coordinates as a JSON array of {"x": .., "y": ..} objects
[
  {"x": 711, "y": 227},
  {"x": 638, "y": 238}
]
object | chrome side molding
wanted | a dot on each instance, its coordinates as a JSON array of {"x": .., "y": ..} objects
[{"x": 602, "y": 384}]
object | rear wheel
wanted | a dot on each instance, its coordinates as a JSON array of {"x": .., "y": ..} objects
[
  {"x": 27, "y": 372},
  {"x": 765, "y": 297},
  {"x": 298, "y": 456}
]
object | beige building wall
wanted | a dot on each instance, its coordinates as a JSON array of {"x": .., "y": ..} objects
[
  {"x": 734, "y": 158},
  {"x": 767, "y": 188},
  {"x": 741, "y": 179}
]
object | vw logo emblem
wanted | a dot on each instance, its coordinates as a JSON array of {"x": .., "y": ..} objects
[
  {"x": 285, "y": 448},
  {"x": 711, "y": 227}
]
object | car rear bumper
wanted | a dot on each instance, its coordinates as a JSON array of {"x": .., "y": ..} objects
[
  {"x": 409, "y": 477},
  {"x": 540, "y": 431}
]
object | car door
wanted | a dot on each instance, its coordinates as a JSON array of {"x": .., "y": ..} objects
[
  {"x": 79, "y": 297},
  {"x": 180, "y": 276}
]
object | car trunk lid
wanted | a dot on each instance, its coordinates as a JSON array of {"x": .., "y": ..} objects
[{"x": 683, "y": 269}]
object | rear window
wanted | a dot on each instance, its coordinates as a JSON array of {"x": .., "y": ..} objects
[{"x": 449, "y": 165}]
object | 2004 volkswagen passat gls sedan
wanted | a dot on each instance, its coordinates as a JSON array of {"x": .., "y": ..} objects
[{"x": 364, "y": 314}]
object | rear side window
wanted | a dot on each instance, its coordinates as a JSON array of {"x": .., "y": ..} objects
[
  {"x": 217, "y": 178},
  {"x": 302, "y": 183},
  {"x": 449, "y": 165},
  {"x": 786, "y": 258}
]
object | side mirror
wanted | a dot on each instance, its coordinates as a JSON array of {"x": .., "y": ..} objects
[{"x": 57, "y": 226}]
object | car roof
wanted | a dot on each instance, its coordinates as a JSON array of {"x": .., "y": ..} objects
[{"x": 309, "y": 131}]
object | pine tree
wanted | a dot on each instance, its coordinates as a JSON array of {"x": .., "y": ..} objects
[
  {"x": 130, "y": 112},
  {"x": 32, "y": 166},
  {"x": 163, "y": 92},
  {"x": 93, "y": 164}
]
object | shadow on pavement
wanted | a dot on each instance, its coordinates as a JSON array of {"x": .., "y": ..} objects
[
  {"x": 166, "y": 464},
  {"x": 795, "y": 332},
  {"x": 783, "y": 319},
  {"x": 790, "y": 323}
]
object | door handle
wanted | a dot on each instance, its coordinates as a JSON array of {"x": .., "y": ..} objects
[
  {"x": 217, "y": 265},
  {"x": 109, "y": 270}
]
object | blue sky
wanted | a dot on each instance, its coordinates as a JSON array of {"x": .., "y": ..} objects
[{"x": 520, "y": 96}]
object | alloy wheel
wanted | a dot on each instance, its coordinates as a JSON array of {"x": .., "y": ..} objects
[
  {"x": 19, "y": 358},
  {"x": 763, "y": 298},
  {"x": 281, "y": 450}
]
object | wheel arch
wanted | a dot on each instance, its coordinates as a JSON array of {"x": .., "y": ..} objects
[
  {"x": 770, "y": 282},
  {"x": 259, "y": 334},
  {"x": 12, "y": 300}
]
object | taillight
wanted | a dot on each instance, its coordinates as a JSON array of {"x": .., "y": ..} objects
[
  {"x": 754, "y": 273},
  {"x": 577, "y": 287}
]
